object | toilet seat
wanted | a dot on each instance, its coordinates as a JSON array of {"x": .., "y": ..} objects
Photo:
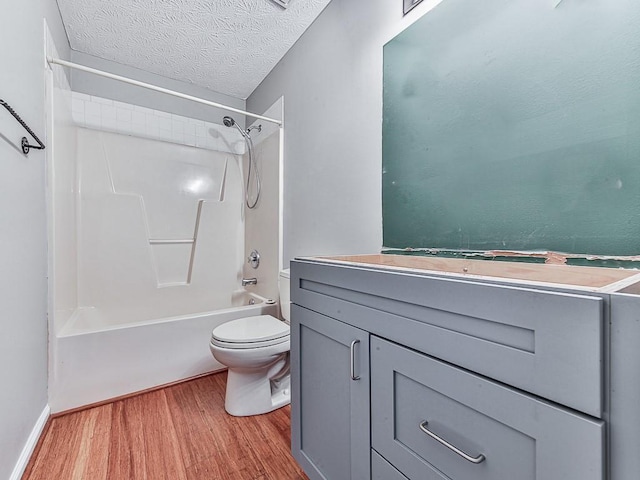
[{"x": 250, "y": 332}]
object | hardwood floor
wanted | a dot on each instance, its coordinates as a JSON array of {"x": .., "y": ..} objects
[{"x": 178, "y": 433}]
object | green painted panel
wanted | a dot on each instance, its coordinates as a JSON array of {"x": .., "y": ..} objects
[{"x": 514, "y": 124}]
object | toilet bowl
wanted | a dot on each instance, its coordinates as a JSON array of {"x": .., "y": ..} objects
[{"x": 256, "y": 352}]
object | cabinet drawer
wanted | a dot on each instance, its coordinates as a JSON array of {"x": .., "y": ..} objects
[
  {"x": 509, "y": 434},
  {"x": 383, "y": 470},
  {"x": 543, "y": 342}
]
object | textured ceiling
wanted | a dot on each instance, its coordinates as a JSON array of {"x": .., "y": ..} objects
[{"x": 228, "y": 46}]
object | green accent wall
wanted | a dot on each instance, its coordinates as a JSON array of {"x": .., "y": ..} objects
[{"x": 514, "y": 124}]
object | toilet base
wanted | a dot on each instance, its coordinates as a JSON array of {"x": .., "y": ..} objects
[{"x": 257, "y": 391}]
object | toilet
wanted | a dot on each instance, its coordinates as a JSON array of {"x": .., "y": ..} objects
[{"x": 256, "y": 351}]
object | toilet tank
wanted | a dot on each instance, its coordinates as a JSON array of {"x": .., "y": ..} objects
[{"x": 285, "y": 297}]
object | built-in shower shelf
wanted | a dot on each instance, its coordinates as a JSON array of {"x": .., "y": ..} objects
[{"x": 170, "y": 241}]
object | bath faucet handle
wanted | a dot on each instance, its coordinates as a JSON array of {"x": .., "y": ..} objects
[
  {"x": 254, "y": 259},
  {"x": 249, "y": 281}
]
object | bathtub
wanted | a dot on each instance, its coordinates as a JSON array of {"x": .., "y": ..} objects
[{"x": 95, "y": 358}]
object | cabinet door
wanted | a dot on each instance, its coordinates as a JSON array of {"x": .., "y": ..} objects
[
  {"x": 330, "y": 397},
  {"x": 433, "y": 421}
]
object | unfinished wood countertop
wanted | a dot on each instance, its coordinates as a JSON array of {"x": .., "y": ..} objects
[{"x": 599, "y": 279}]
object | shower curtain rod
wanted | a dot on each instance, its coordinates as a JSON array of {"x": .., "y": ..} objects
[{"x": 149, "y": 86}]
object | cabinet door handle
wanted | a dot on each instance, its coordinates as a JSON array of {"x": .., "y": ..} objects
[
  {"x": 352, "y": 365},
  {"x": 479, "y": 459}
]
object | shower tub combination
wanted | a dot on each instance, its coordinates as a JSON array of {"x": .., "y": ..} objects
[
  {"x": 148, "y": 246},
  {"x": 97, "y": 363}
]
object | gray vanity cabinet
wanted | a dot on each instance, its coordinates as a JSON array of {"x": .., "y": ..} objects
[
  {"x": 330, "y": 404},
  {"x": 462, "y": 378}
]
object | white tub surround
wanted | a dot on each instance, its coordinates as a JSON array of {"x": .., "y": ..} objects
[
  {"x": 99, "y": 113},
  {"x": 148, "y": 233}
]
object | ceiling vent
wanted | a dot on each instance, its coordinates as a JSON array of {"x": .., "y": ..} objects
[{"x": 282, "y": 3}]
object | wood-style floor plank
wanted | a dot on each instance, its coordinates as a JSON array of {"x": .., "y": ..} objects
[
  {"x": 126, "y": 448},
  {"x": 59, "y": 451},
  {"x": 190, "y": 419},
  {"x": 178, "y": 433},
  {"x": 162, "y": 447},
  {"x": 93, "y": 449}
]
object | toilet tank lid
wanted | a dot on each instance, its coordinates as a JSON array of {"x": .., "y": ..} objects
[{"x": 251, "y": 329}]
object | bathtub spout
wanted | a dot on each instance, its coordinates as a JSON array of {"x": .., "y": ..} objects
[{"x": 249, "y": 281}]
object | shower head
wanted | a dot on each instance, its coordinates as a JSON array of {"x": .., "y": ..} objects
[{"x": 230, "y": 122}]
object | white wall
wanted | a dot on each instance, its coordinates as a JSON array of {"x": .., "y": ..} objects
[
  {"x": 103, "y": 87},
  {"x": 261, "y": 222},
  {"x": 332, "y": 83},
  {"x": 23, "y": 242}
]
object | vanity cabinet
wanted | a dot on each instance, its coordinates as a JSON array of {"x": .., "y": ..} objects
[
  {"x": 464, "y": 377},
  {"x": 330, "y": 397}
]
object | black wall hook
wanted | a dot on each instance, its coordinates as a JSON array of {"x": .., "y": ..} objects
[{"x": 24, "y": 143}]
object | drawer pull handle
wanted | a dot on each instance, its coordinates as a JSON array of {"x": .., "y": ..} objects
[
  {"x": 479, "y": 459},
  {"x": 352, "y": 365}
]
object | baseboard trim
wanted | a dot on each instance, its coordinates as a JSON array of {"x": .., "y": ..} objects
[{"x": 30, "y": 446}]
